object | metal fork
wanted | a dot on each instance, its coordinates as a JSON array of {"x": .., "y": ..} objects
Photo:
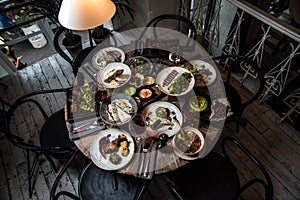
[{"x": 148, "y": 156}]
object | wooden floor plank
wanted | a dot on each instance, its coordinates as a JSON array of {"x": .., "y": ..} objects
[
  {"x": 4, "y": 188},
  {"x": 274, "y": 166},
  {"x": 53, "y": 81},
  {"x": 59, "y": 73},
  {"x": 65, "y": 67},
  {"x": 14, "y": 185}
]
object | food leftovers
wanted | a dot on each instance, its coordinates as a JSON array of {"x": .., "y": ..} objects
[
  {"x": 198, "y": 103},
  {"x": 188, "y": 142},
  {"x": 119, "y": 110},
  {"x": 116, "y": 148},
  {"x": 181, "y": 83}
]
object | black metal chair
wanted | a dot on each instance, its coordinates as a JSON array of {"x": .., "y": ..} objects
[
  {"x": 216, "y": 177},
  {"x": 245, "y": 67},
  {"x": 80, "y": 56},
  {"x": 187, "y": 27},
  {"x": 3, "y": 115},
  {"x": 96, "y": 183},
  {"x": 54, "y": 139},
  {"x": 184, "y": 26}
]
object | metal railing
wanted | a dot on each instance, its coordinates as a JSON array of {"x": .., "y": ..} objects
[{"x": 268, "y": 19}]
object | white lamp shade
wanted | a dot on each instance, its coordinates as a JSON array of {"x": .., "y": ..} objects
[{"x": 85, "y": 14}]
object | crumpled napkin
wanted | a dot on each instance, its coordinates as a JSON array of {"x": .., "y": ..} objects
[{"x": 221, "y": 109}]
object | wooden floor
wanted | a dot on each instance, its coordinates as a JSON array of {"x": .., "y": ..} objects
[{"x": 276, "y": 145}]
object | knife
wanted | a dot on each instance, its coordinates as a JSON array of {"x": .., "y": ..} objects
[{"x": 79, "y": 130}]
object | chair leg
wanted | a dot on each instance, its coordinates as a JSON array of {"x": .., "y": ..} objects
[
  {"x": 237, "y": 127},
  {"x": 51, "y": 162},
  {"x": 174, "y": 192},
  {"x": 31, "y": 168},
  {"x": 29, "y": 175}
]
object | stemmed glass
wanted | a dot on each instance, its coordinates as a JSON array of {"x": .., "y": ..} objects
[
  {"x": 137, "y": 125},
  {"x": 100, "y": 96},
  {"x": 174, "y": 57}
]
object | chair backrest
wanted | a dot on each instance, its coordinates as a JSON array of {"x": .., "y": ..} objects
[
  {"x": 29, "y": 98},
  {"x": 57, "y": 46},
  {"x": 293, "y": 7},
  {"x": 243, "y": 69},
  {"x": 184, "y": 26},
  {"x": 266, "y": 182},
  {"x": 4, "y": 106},
  {"x": 189, "y": 27},
  {"x": 114, "y": 185},
  {"x": 75, "y": 60}
]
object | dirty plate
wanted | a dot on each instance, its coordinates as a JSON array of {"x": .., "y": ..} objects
[
  {"x": 175, "y": 81},
  {"x": 114, "y": 75},
  {"x": 161, "y": 118},
  {"x": 205, "y": 74},
  {"x": 106, "y": 56},
  {"x": 102, "y": 160}
]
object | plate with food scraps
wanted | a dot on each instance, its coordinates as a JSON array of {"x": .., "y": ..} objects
[
  {"x": 189, "y": 144},
  {"x": 107, "y": 55},
  {"x": 162, "y": 117},
  {"x": 118, "y": 109},
  {"x": 112, "y": 149},
  {"x": 140, "y": 64},
  {"x": 114, "y": 75},
  {"x": 175, "y": 81},
  {"x": 205, "y": 74}
]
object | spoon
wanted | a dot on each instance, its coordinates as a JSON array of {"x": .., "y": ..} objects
[{"x": 163, "y": 139}]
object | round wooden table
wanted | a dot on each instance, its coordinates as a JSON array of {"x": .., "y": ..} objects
[{"x": 158, "y": 52}]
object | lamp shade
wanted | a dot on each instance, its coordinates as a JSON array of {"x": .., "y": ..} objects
[{"x": 85, "y": 14}]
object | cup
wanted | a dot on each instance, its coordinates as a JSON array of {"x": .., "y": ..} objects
[
  {"x": 137, "y": 125},
  {"x": 100, "y": 95}
]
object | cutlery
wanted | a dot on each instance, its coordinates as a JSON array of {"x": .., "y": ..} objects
[
  {"x": 142, "y": 157},
  {"x": 79, "y": 130},
  {"x": 139, "y": 155},
  {"x": 147, "y": 159},
  {"x": 177, "y": 121},
  {"x": 84, "y": 125}
]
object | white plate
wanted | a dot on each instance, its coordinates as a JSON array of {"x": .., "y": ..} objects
[
  {"x": 105, "y": 163},
  {"x": 104, "y": 107},
  {"x": 107, "y": 55},
  {"x": 163, "y": 75},
  {"x": 183, "y": 155},
  {"x": 144, "y": 69},
  {"x": 109, "y": 70},
  {"x": 149, "y": 114},
  {"x": 201, "y": 68}
]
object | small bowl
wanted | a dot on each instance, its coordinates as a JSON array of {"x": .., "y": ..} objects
[
  {"x": 145, "y": 93},
  {"x": 130, "y": 90},
  {"x": 148, "y": 81},
  {"x": 190, "y": 143}
]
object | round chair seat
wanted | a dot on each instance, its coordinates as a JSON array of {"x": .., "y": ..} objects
[
  {"x": 54, "y": 133},
  {"x": 210, "y": 178},
  {"x": 96, "y": 183}
]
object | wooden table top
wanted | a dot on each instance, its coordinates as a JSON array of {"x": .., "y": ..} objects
[{"x": 166, "y": 159}]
